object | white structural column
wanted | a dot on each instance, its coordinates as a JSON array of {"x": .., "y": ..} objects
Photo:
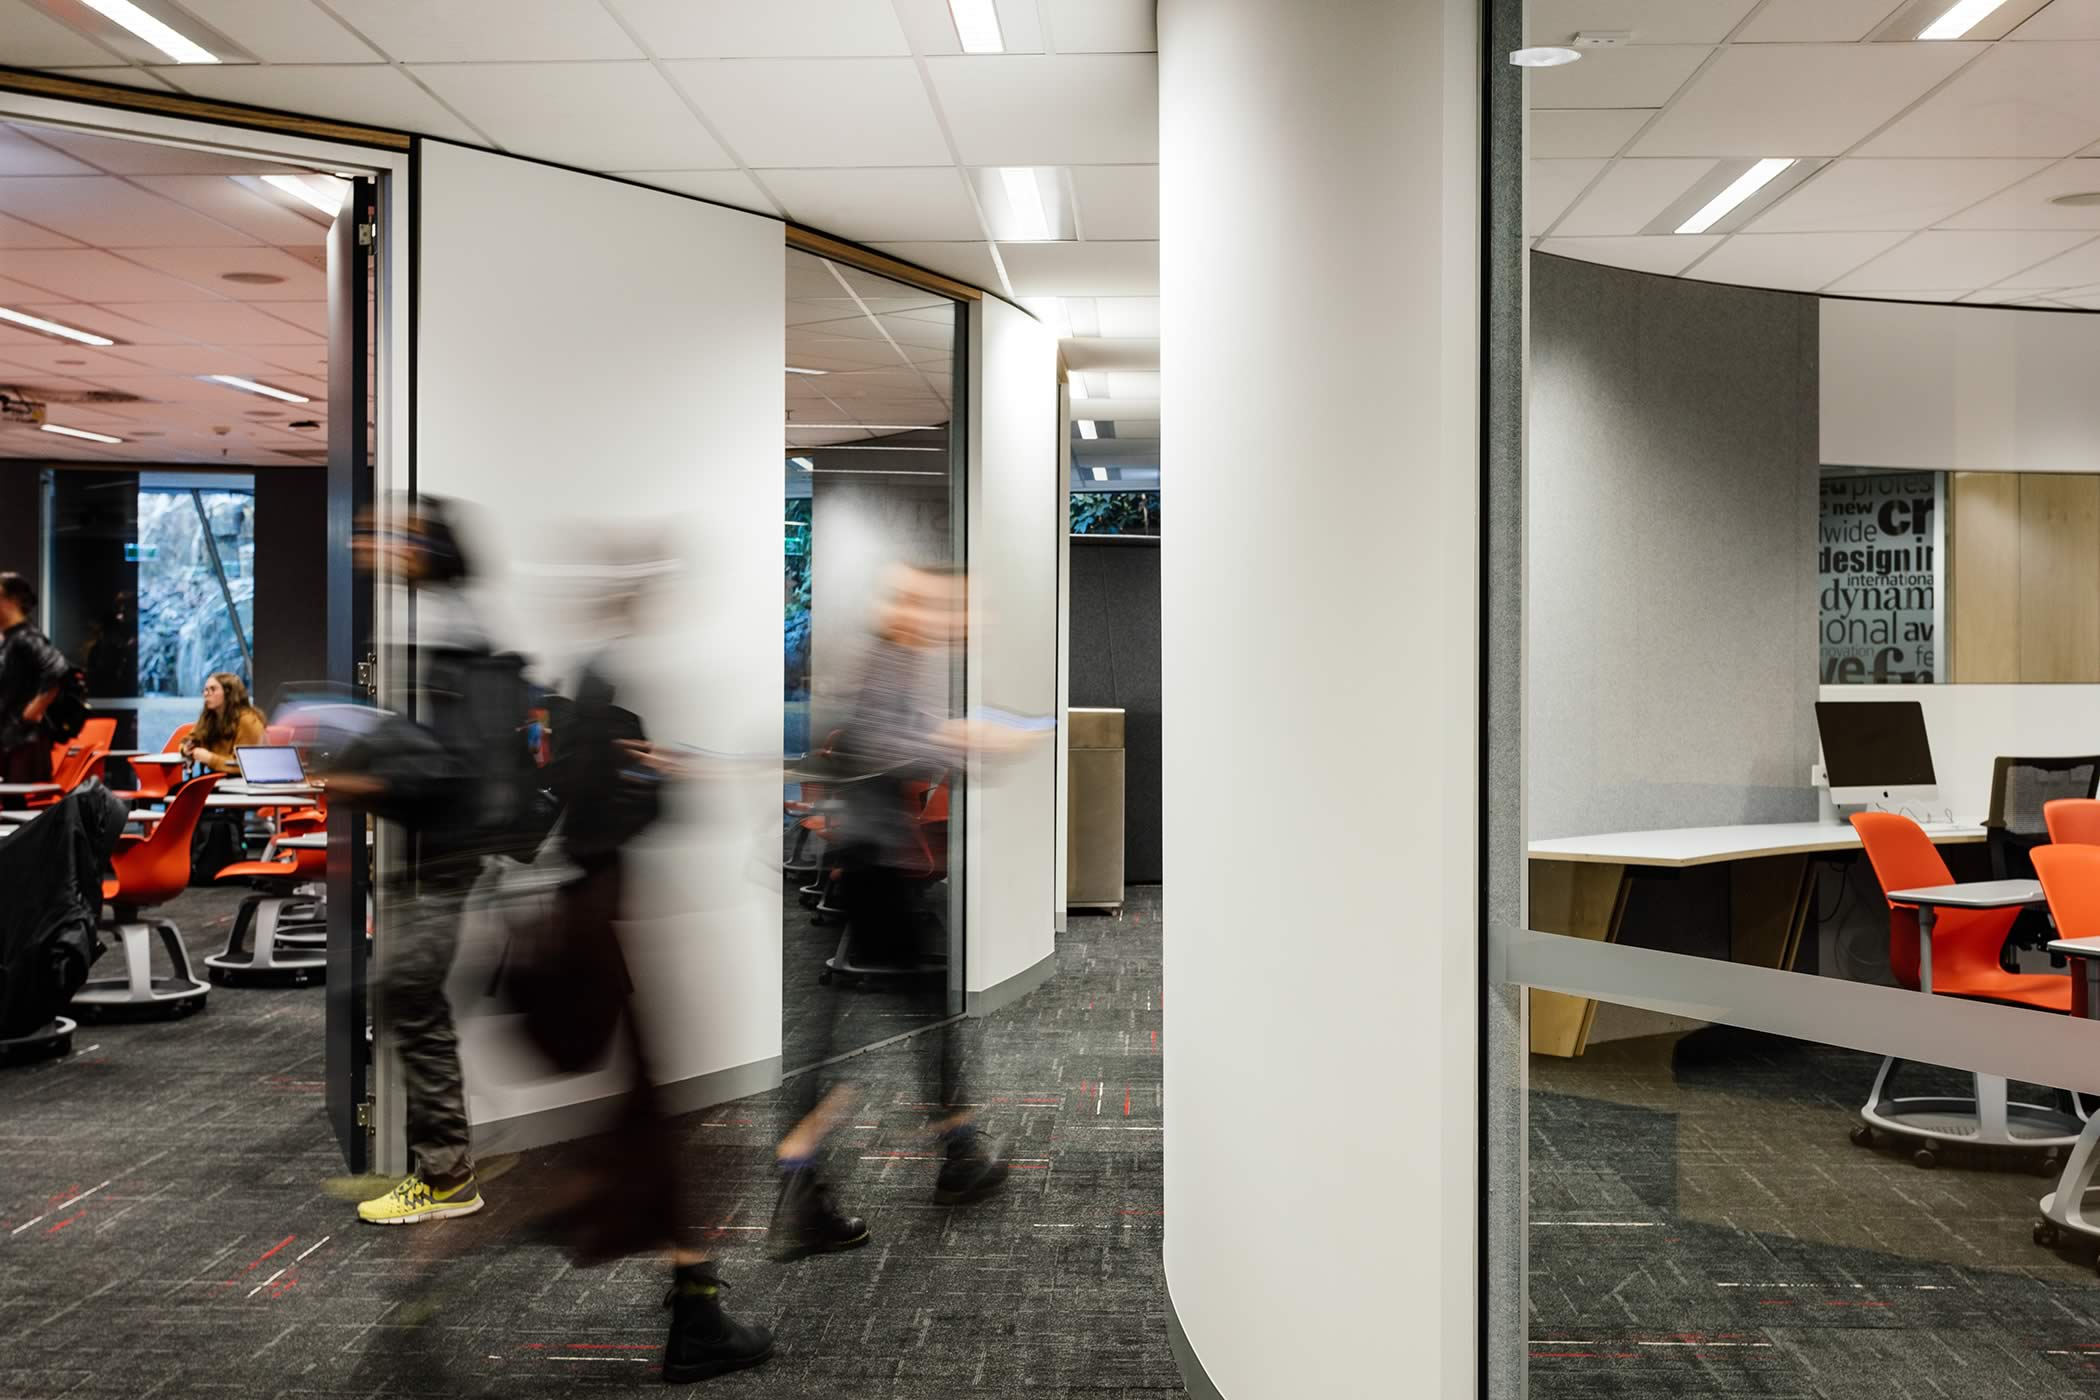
[{"x": 1319, "y": 580}]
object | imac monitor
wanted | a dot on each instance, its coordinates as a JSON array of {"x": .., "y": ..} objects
[{"x": 1876, "y": 751}]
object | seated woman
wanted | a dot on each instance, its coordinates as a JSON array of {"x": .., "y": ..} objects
[{"x": 227, "y": 722}]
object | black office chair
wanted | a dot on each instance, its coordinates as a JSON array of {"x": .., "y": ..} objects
[{"x": 2020, "y": 787}]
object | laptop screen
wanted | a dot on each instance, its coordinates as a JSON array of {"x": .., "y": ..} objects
[{"x": 270, "y": 765}]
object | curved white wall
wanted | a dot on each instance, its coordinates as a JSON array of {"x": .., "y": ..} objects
[{"x": 1319, "y": 205}]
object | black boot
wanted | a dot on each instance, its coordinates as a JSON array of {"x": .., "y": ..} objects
[
  {"x": 705, "y": 1341},
  {"x": 971, "y": 1172},
  {"x": 807, "y": 1221}
]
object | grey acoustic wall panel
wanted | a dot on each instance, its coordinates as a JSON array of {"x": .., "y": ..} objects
[
  {"x": 291, "y": 578},
  {"x": 1115, "y": 662},
  {"x": 1672, "y": 508}
]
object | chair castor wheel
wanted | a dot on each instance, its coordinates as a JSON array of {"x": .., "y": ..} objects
[
  {"x": 1925, "y": 1157},
  {"x": 824, "y": 978},
  {"x": 2049, "y": 1165},
  {"x": 2045, "y": 1233},
  {"x": 1862, "y": 1136}
]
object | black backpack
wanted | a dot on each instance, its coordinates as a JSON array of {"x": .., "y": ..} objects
[
  {"x": 68, "y": 712},
  {"x": 512, "y": 813}
]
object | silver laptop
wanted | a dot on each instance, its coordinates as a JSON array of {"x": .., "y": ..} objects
[{"x": 270, "y": 768}]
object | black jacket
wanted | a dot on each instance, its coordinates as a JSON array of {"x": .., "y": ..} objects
[
  {"x": 29, "y": 666},
  {"x": 52, "y": 872}
]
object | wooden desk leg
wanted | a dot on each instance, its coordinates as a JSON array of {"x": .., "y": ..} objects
[
  {"x": 1768, "y": 904},
  {"x": 1581, "y": 899}
]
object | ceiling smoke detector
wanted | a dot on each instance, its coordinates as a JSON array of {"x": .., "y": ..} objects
[
  {"x": 251, "y": 279},
  {"x": 1543, "y": 57},
  {"x": 2088, "y": 199}
]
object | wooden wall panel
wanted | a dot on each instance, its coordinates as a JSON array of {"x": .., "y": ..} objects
[
  {"x": 1983, "y": 576},
  {"x": 2059, "y": 620}
]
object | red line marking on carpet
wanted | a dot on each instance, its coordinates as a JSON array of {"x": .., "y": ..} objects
[
  {"x": 1126, "y": 1101},
  {"x": 65, "y": 1222},
  {"x": 270, "y": 1251}
]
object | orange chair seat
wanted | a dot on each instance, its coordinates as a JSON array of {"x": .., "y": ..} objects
[{"x": 259, "y": 870}]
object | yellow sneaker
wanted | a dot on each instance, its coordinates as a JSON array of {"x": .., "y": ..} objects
[{"x": 414, "y": 1200}]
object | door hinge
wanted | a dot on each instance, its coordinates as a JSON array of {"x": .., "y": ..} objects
[
  {"x": 367, "y": 235},
  {"x": 367, "y": 1118},
  {"x": 367, "y": 674}
]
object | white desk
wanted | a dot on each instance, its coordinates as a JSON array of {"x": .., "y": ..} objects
[
  {"x": 28, "y": 789},
  {"x": 1579, "y": 887}
]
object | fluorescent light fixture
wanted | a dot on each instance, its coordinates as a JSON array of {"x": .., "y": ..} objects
[
  {"x": 249, "y": 386},
  {"x": 178, "y": 47},
  {"x": 309, "y": 190},
  {"x": 1101, "y": 473},
  {"x": 38, "y": 323},
  {"x": 1087, "y": 429},
  {"x": 1960, "y": 19},
  {"x": 873, "y": 427},
  {"x": 1544, "y": 57},
  {"x": 1079, "y": 387},
  {"x": 803, "y": 464},
  {"x": 977, "y": 25},
  {"x": 1744, "y": 185},
  {"x": 793, "y": 370},
  {"x": 78, "y": 432},
  {"x": 1025, "y": 197}
]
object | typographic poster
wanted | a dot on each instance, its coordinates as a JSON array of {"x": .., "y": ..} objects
[{"x": 1879, "y": 578}]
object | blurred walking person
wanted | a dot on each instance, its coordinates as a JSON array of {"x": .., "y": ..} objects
[{"x": 32, "y": 671}]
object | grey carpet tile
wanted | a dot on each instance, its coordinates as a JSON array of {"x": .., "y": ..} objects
[
  {"x": 1702, "y": 1225},
  {"x": 168, "y": 1223}
]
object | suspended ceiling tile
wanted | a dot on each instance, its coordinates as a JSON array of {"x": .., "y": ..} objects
[
  {"x": 124, "y": 77},
  {"x": 488, "y": 31},
  {"x": 1801, "y": 262},
  {"x": 1550, "y": 186},
  {"x": 926, "y": 204},
  {"x": 1128, "y": 317},
  {"x": 1640, "y": 75},
  {"x": 269, "y": 216},
  {"x": 109, "y": 213},
  {"x": 91, "y": 275},
  {"x": 1649, "y": 21},
  {"x": 2076, "y": 268},
  {"x": 1082, "y": 269},
  {"x": 2017, "y": 100},
  {"x": 1956, "y": 262},
  {"x": 817, "y": 113},
  {"x": 1798, "y": 99},
  {"x": 17, "y": 233},
  {"x": 32, "y": 39},
  {"x": 966, "y": 262},
  {"x": 374, "y": 93},
  {"x": 24, "y": 152},
  {"x": 1117, "y": 201},
  {"x": 1631, "y": 194},
  {"x": 277, "y": 31},
  {"x": 2027, "y": 204},
  {"x": 598, "y": 116},
  {"x": 1579, "y": 132},
  {"x": 1888, "y": 194},
  {"x": 207, "y": 268},
  {"x": 1665, "y": 253},
  {"x": 218, "y": 322},
  {"x": 2061, "y": 19},
  {"x": 197, "y": 359},
  {"x": 123, "y": 157},
  {"x": 1816, "y": 21},
  {"x": 773, "y": 29},
  {"x": 1101, "y": 26},
  {"x": 731, "y": 187},
  {"x": 1067, "y": 109}
]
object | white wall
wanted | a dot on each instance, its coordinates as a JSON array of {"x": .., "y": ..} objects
[
  {"x": 1970, "y": 726},
  {"x": 592, "y": 351},
  {"x": 1319, "y": 660},
  {"x": 1016, "y": 486},
  {"x": 1959, "y": 388}
]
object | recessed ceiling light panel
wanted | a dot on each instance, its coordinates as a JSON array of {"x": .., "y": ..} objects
[
  {"x": 1744, "y": 185},
  {"x": 977, "y": 25},
  {"x": 176, "y": 46},
  {"x": 1959, "y": 18},
  {"x": 38, "y": 323},
  {"x": 250, "y": 386},
  {"x": 64, "y": 431}
]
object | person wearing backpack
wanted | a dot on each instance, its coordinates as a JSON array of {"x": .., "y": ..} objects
[
  {"x": 32, "y": 673},
  {"x": 430, "y": 774}
]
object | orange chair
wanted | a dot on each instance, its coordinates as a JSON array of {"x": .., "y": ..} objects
[
  {"x": 271, "y": 914},
  {"x": 2073, "y": 821},
  {"x": 151, "y": 871},
  {"x": 75, "y": 760},
  {"x": 1965, "y": 944},
  {"x": 154, "y": 779},
  {"x": 925, "y": 862},
  {"x": 2070, "y": 876}
]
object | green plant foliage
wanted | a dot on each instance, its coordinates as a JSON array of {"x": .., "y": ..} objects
[{"x": 1115, "y": 512}]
